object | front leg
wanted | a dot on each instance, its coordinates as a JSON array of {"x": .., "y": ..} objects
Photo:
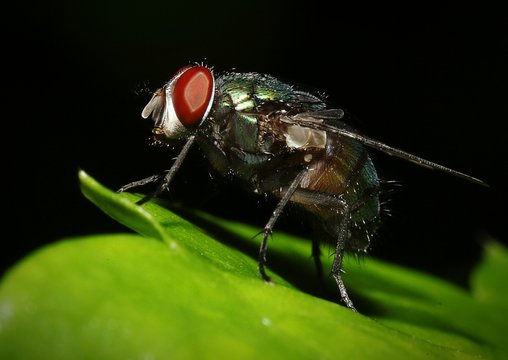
[
  {"x": 166, "y": 179},
  {"x": 134, "y": 184},
  {"x": 164, "y": 185}
]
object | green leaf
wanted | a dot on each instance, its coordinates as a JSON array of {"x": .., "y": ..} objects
[
  {"x": 180, "y": 291},
  {"x": 489, "y": 282}
]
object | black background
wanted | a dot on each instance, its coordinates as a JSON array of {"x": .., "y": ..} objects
[{"x": 432, "y": 81}]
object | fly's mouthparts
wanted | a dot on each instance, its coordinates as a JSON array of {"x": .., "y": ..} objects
[{"x": 157, "y": 131}]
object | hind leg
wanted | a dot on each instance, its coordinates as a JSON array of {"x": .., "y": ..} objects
[{"x": 339, "y": 254}]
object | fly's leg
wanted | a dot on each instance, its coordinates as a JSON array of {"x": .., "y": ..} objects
[
  {"x": 267, "y": 231},
  {"x": 311, "y": 197},
  {"x": 339, "y": 254},
  {"x": 304, "y": 196},
  {"x": 134, "y": 184},
  {"x": 166, "y": 179},
  {"x": 334, "y": 202}
]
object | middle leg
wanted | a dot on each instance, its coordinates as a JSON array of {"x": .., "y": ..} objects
[{"x": 267, "y": 231}]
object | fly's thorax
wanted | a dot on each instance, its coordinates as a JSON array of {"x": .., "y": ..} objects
[
  {"x": 229, "y": 141},
  {"x": 246, "y": 92},
  {"x": 260, "y": 93},
  {"x": 244, "y": 132},
  {"x": 246, "y": 112}
]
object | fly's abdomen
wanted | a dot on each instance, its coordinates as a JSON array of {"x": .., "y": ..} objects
[{"x": 345, "y": 174}]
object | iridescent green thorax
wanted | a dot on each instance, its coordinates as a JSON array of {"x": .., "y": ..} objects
[
  {"x": 245, "y": 92},
  {"x": 247, "y": 99}
]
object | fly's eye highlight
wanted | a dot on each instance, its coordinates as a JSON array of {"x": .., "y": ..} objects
[{"x": 193, "y": 95}]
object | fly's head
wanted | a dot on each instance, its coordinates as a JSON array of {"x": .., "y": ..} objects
[{"x": 183, "y": 104}]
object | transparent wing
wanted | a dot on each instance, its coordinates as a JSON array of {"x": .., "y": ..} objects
[{"x": 319, "y": 120}]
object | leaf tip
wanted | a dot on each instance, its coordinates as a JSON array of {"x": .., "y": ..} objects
[{"x": 83, "y": 175}]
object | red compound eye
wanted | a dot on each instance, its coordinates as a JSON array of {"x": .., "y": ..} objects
[{"x": 192, "y": 95}]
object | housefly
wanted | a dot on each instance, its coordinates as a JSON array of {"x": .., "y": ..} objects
[{"x": 278, "y": 141}]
